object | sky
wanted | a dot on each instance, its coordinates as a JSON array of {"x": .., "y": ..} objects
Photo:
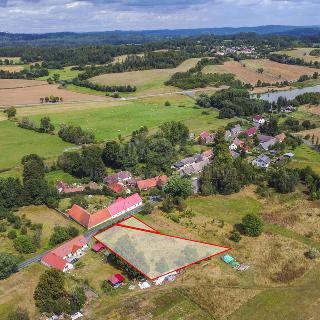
[{"x": 39, "y": 16}]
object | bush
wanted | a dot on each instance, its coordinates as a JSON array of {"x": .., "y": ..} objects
[
  {"x": 12, "y": 234},
  {"x": 252, "y": 225},
  {"x": 8, "y": 265},
  {"x": 61, "y": 234},
  {"x": 24, "y": 244},
  {"x": 167, "y": 104},
  {"x": 235, "y": 236},
  {"x": 312, "y": 253}
]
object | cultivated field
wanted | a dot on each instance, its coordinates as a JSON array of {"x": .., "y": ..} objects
[
  {"x": 146, "y": 81},
  {"x": 16, "y": 142},
  {"x": 23, "y": 92},
  {"x": 302, "y": 53},
  {"x": 247, "y": 70}
]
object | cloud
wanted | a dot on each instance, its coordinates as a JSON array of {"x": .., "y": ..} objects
[{"x": 93, "y": 15}]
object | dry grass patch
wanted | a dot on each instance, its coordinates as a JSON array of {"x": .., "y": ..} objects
[
  {"x": 247, "y": 70},
  {"x": 311, "y": 109},
  {"x": 302, "y": 53},
  {"x": 311, "y": 132},
  {"x": 11, "y": 68},
  {"x": 17, "y": 291},
  {"x": 146, "y": 81},
  {"x": 19, "y": 83}
]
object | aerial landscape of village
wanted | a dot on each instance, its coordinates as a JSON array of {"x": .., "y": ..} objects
[{"x": 159, "y": 160}]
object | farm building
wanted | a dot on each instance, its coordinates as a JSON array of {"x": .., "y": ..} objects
[{"x": 119, "y": 207}]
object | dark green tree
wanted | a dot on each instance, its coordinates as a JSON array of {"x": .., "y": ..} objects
[
  {"x": 8, "y": 264},
  {"x": 252, "y": 225}
]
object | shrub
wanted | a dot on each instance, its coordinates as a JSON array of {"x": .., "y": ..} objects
[
  {"x": 235, "y": 236},
  {"x": 252, "y": 225},
  {"x": 12, "y": 234},
  {"x": 312, "y": 253},
  {"x": 24, "y": 244},
  {"x": 167, "y": 103}
]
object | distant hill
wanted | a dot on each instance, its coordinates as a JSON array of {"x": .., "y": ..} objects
[{"x": 139, "y": 37}]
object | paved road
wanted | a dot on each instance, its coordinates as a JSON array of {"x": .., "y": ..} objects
[{"x": 88, "y": 235}]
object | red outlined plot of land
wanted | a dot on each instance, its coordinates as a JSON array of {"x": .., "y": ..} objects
[{"x": 152, "y": 253}]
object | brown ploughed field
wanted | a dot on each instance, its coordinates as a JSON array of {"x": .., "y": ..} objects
[{"x": 24, "y": 92}]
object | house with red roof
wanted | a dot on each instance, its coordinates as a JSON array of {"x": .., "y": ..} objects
[
  {"x": 123, "y": 177},
  {"x": 251, "y": 131},
  {"x": 118, "y": 187},
  {"x": 63, "y": 187},
  {"x": 206, "y": 137},
  {"x": 236, "y": 144},
  {"x": 280, "y": 137},
  {"x": 62, "y": 256},
  {"x": 119, "y": 207},
  {"x": 258, "y": 120},
  {"x": 152, "y": 182}
]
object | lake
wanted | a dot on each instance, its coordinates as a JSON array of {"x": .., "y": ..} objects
[{"x": 289, "y": 94}]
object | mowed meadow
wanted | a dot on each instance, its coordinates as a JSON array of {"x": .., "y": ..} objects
[
  {"x": 109, "y": 122},
  {"x": 16, "y": 142}
]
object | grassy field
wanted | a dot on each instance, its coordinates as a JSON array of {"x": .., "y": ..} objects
[
  {"x": 298, "y": 302},
  {"x": 49, "y": 218},
  {"x": 302, "y": 53},
  {"x": 108, "y": 123},
  {"x": 305, "y": 156},
  {"x": 146, "y": 81},
  {"x": 16, "y": 142},
  {"x": 247, "y": 70},
  {"x": 65, "y": 73},
  {"x": 17, "y": 291}
]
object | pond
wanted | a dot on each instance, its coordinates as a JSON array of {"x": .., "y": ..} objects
[{"x": 289, "y": 94}]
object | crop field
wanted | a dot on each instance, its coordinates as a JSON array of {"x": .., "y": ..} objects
[
  {"x": 24, "y": 92},
  {"x": 146, "y": 81},
  {"x": 109, "y": 122},
  {"x": 302, "y": 53},
  {"x": 16, "y": 142},
  {"x": 247, "y": 70}
]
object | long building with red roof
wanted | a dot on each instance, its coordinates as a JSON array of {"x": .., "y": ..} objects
[{"x": 119, "y": 207}]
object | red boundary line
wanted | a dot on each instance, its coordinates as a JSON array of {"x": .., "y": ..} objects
[
  {"x": 158, "y": 233},
  {"x": 133, "y": 217}
]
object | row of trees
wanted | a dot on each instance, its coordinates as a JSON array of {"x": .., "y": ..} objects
[
  {"x": 284, "y": 58},
  {"x": 150, "y": 60},
  {"x": 46, "y": 126},
  {"x": 103, "y": 88},
  {"x": 24, "y": 74}
]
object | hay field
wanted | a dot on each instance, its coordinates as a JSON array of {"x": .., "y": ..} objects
[
  {"x": 302, "y": 53},
  {"x": 146, "y": 81},
  {"x": 14, "y": 59},
  {"x": 11, "y": 68},
  {"x": 23, "y": 92},
  {"x": 272, "y": 73}
]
